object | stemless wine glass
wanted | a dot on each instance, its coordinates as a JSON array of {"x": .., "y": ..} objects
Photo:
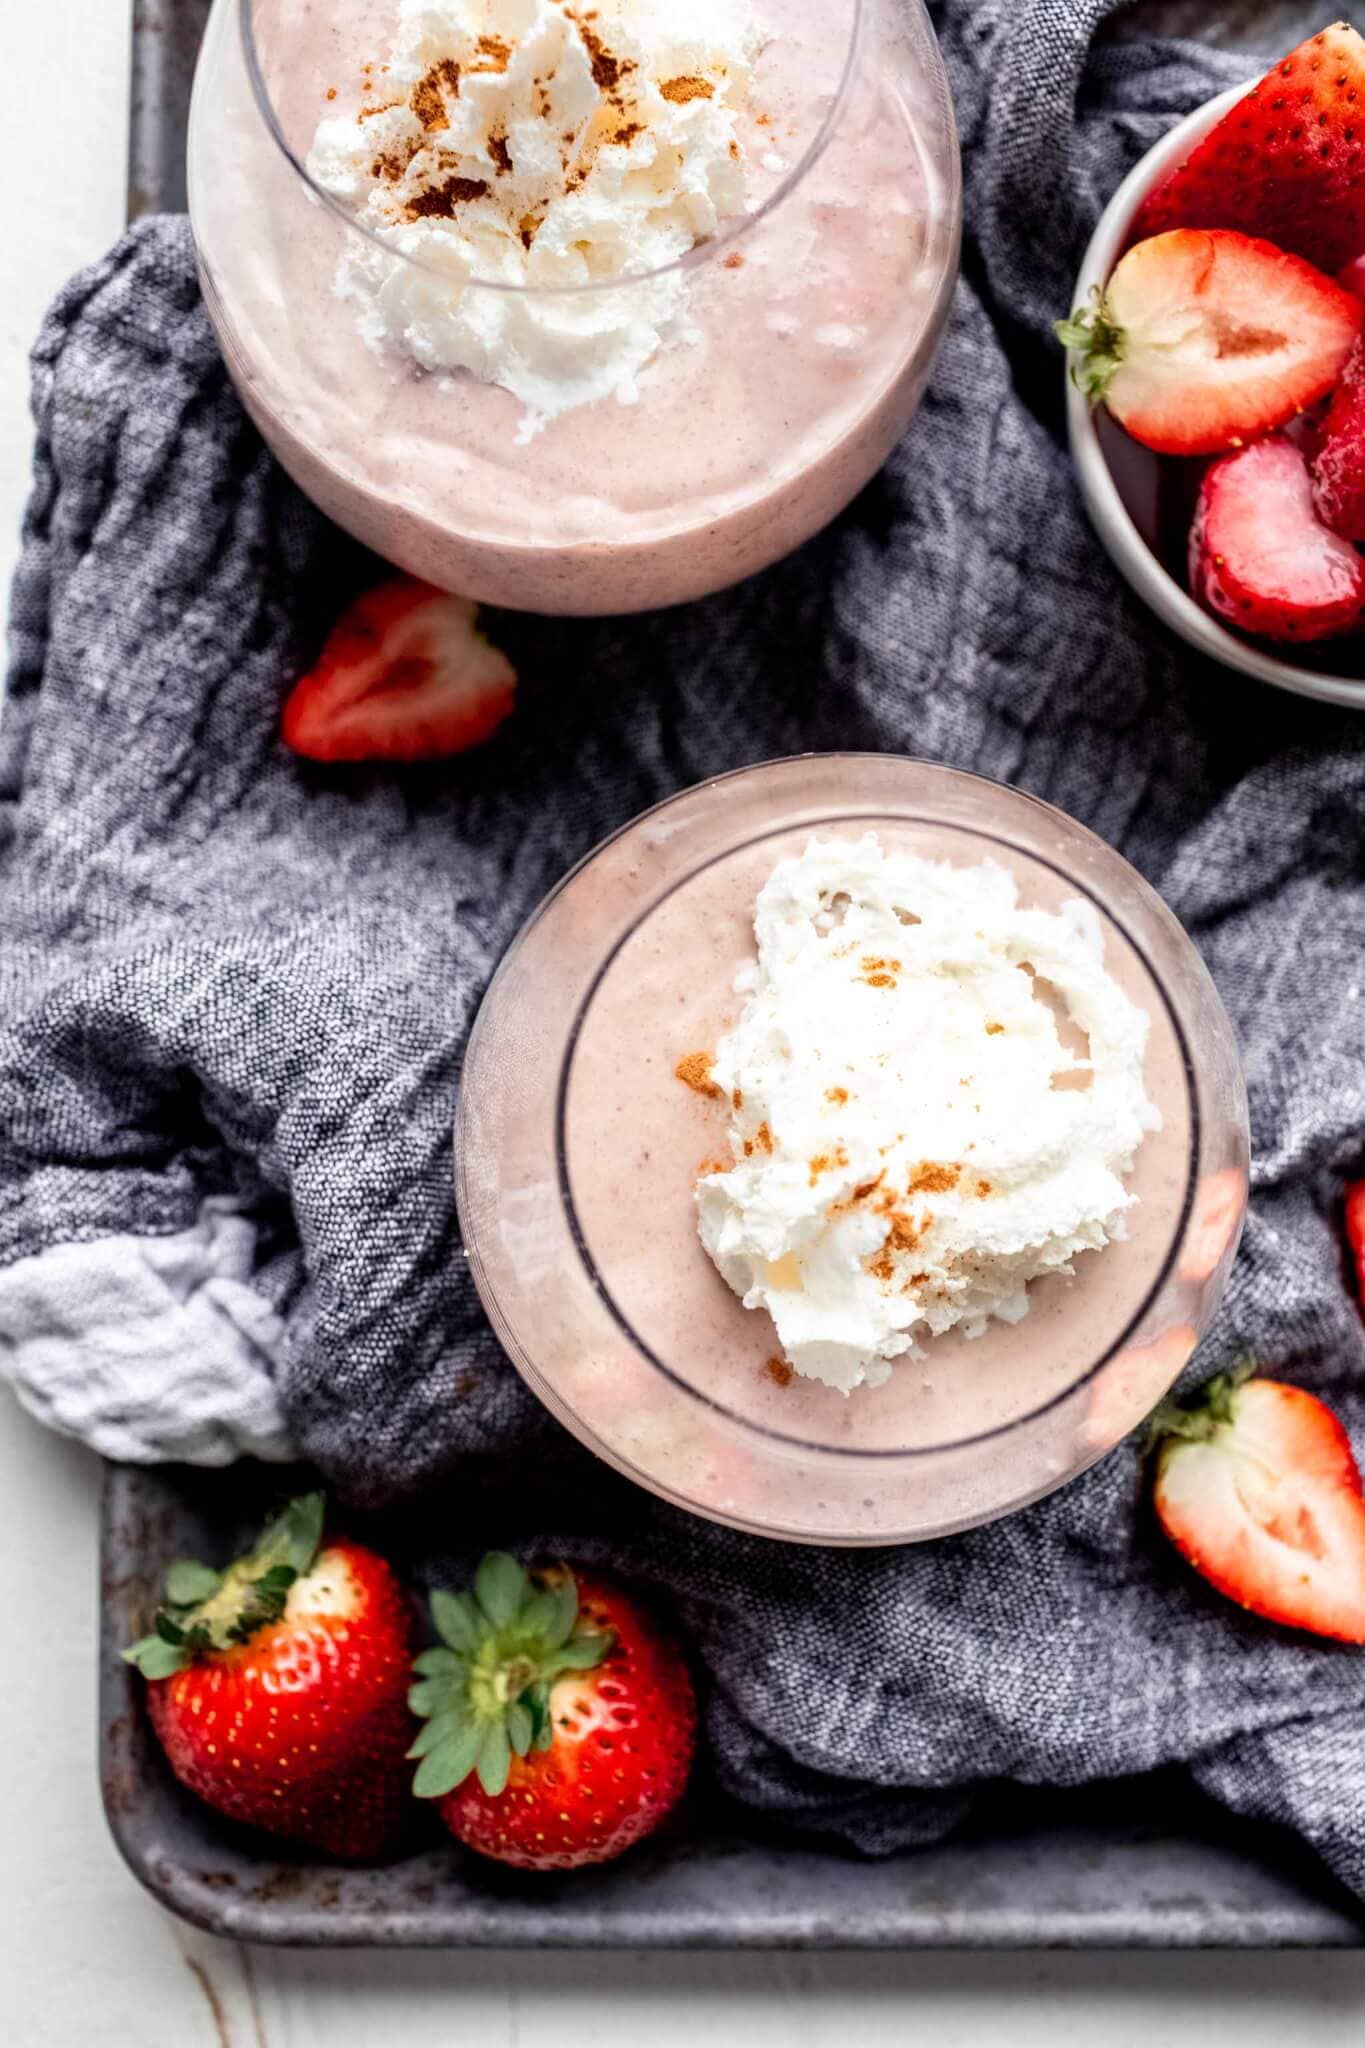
[
  {"x": 577, "y": 1149},
  {"x": 815, "y": 318}
]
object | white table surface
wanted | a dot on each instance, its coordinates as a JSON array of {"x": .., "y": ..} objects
[{"x": 85, "y": 1957}]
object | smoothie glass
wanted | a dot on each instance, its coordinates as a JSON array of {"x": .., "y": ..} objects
[
  {"x": 816, "y": 316},
  {"x": 577, "y": 1151}
]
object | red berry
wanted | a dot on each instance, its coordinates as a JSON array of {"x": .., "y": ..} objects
[
  {"x": 1355, "y": 1231},
  {"x": 1202, "y": 341},
  {"x": 1287, "y": 162},
  {"x": 562, "y": 1719},
  {"x": 284, "y": 1702},
  {"x": 1258, "y": 1489},
  {"x": 1261, "y": 559},
  {"x": 1338, "y": 458},
  {"x": 405, "y": 675}
]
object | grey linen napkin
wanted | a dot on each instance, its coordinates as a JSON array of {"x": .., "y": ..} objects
[{"x": 236, "y": 989}]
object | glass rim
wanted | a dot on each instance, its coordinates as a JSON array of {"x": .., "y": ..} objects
[
  {"x": 696, "y": 258},
  {"x": 596, "y": 1281}
]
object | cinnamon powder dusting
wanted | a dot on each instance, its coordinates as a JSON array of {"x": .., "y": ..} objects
[
  {"x": 694, "y": 1071},
  {"x": 823, "y": 1162},
  {"x": 607, "y": 71},
  {"x": 779, "y": 1372},
  {"x": 495, "y": 54},
  {"x": 734, "y": 261},
  {"x": 681, "y": 90},
  {"x": 929, "y": 1179},
  {"x": 428, "y": 99},
  {"x": 440, "y": 201},
  {"x": 836, "y": 1095},
  {"x": 764, "y": 1137}
]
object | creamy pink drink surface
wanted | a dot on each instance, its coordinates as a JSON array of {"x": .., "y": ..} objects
[
  {"x": 815, "y": 329},
  {"x": 636, "y": 1138}
]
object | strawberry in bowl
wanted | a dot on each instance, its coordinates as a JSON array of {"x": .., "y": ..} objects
[{"x": 1217, "y": 371}]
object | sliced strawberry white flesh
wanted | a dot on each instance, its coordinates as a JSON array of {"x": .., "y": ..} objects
[
  {"x": 1203, "y": 340},
  {"x": 1261, "y": 558},
  {"x": 405, "y": 675},
  {"x": 1258, "y": 1489}
]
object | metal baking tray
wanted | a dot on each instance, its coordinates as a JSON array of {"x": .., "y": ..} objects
[
  {"x": 1144, "y": 1864},
  {"x": 1135, "y": 1865}
]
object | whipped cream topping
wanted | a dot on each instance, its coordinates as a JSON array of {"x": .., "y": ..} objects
[
  {"x": 936, "y": 1095},
  {"x": 536, "y": 143}
]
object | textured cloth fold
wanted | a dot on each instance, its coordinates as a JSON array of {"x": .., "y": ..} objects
[{"x": 235, "y": 991}]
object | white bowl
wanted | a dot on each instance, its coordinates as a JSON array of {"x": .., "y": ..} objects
[{"x": 1119, "y": 479}]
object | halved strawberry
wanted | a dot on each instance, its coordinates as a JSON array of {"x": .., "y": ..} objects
[
  {"x": 1338, "y": 458},
  {"x": 405, "y": 676},
  {"x": 1287, "y": 162},
  {"x": 1262, "y": 559},
  {"x": 1355, "y": 1232},
  {"x": 1257, "y": 1487},
  {"x": 1200, "y": 342}
]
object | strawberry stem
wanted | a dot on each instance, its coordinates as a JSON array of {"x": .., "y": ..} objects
[
  {"x": 1098, "y": 344},
  {"x": 483, "y": 1692},
  {"x": 205, "y": 1610},
  {"x": 1208, "y": 1410}
]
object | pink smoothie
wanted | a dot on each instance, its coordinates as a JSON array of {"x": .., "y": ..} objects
[
  {"x": 816, "y": 329},
  {"x": 636, "y": 1137},
  {"x": 578, "y": 1148}
]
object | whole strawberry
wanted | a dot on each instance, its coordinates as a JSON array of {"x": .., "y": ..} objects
[
  {"x": 560, "y": 1720},
  {"x": 278, "y": 1686},
  {"x": 1284, "y": 162}
]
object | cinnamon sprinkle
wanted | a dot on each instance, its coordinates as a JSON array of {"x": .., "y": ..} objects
[
  {"x": 983, "y": 1187},
  {"x": 836, "y": 1095},
  {"x": 607, "y": 71},
  {"x": 681, "y": 90},
  {"x": 734, "y": 261},
  {"x": 694, "y": 1071},
  {"x": 764, "y": 1137},
  {"x": 428, "y": 99},
  {"x": 779, "y": 1372},
  {"x": 440, "y": 201},
  {"x": 929, "y": 1179},
  {"x": 994, "y": 1030},
  {"x": 500, "y": 153},
  {"x": 824, "y": 1161}
]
